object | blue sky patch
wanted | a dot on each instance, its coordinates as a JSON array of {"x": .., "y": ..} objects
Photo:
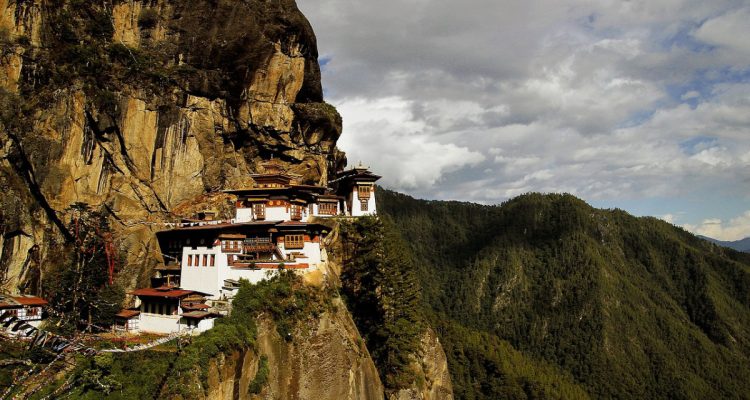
[
  {"x": 697, "y": 144},
  {"x": 323, "y": 61}
]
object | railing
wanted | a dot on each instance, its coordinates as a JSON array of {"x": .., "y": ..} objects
[
  {"x": 258, "y": 245},
  {"x": 196, "y": 223}
]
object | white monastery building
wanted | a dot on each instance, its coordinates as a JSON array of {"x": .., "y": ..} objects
[
  {"x": 274, "y": 228},
  {"x": 24, "y": 309}
]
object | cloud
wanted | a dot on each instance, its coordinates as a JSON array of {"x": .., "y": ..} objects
[
  {"x": 668, "y": 218},
  {"x": 729, "y": 33},
  {"x": 482, "y": 100},
  {"x": 384, "y": 133},
  {"x": 735, "y": 229}
]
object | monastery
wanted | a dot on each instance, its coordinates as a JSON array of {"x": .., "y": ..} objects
[{"x": 274, "y": 227}]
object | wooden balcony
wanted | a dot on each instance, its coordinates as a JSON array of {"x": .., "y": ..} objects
[{"x": 258, "y": 245}]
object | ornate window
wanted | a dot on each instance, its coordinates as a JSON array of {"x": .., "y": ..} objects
[
  {"x": 327, "y": 208},
  {"x": 294, "y": 241},
  {"x": 364, "y": 191},
  {"x": 296, "y": 212},
  {"x": 259, "y": 209},
  {"x": 230, "y": 246}
]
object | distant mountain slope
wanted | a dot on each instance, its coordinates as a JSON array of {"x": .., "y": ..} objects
[
  {"x": 739, "y": 245},
  {"x": 630, "y": 307}
]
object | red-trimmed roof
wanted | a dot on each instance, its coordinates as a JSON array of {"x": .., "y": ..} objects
[
  {"x": 188, "y": 306},
  {"x": 291, "y": 223},
  {"x": 30, "y": 300},
  {"x": 171, "y": 293},
  {"x": 127, "y": 314},
  {"x": 331, "y": 197},
  {"x": 197, "y": 314},
  {"x": 232, "y": 236},
  {"x": 9, "y": 304},
  {"x": 358, "y": 173},
  {"x": 311, "y": 187},
  {"x": 209, "y": 227}
]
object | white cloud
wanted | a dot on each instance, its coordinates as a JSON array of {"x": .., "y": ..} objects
[
  {"x": 729, "y": 32},
  {"x": 668, "y": 218},
  {"x": 735, "y": 229},
  {"x": 693, "y": 94},
  {"x": 482, "y": 100},
  {"x": 384, "y": 134}
]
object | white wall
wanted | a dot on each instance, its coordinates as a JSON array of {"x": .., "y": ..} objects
[
  {"x": 280, "y": 213},
  {"x": 202, "y": 278},
  {"x": 273, "y": 213},
  {"x": 243, "y": 215},
  {"x": 158, "y": 323},
  {"x": 357, "y": 205},
  {"x": 211, "y": 279},
  {"x": 23, "y": 314},
  {"x": 203, "y": 325},
  {"x": 251, "y": 275},
  {"x": 310, "y": 249}
]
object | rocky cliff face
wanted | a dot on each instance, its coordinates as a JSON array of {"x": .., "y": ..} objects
[
  {"x": 326, "y": 360},
  {"x": 434, "y": 382},
  {"x": 141, "y": 108}
]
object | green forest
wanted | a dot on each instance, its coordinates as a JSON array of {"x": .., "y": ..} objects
[{"x": 544, "y": 296}]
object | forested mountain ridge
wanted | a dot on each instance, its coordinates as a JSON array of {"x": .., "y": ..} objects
[{"x": 629, "y": 307}]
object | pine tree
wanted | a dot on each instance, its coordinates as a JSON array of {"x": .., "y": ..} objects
[{"x": 381, "y": 287}]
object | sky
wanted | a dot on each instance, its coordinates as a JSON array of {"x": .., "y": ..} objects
[{"x": 642, "y": 105}]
